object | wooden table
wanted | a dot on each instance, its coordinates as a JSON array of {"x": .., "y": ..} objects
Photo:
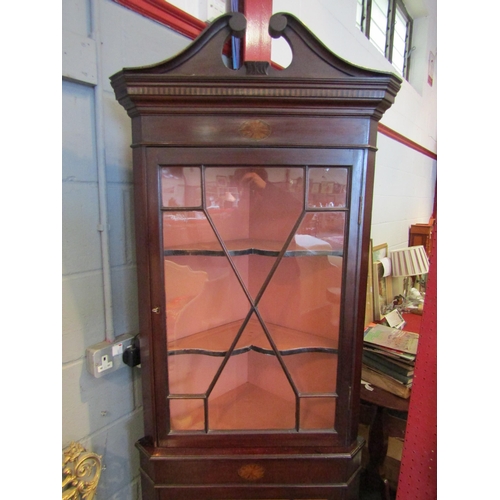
[{"x": 373, "y": 405}]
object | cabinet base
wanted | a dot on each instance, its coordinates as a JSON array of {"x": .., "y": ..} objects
[{"x": 173, "y": 474}]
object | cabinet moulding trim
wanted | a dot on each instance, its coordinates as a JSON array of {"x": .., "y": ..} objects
[
  {"x": 250, "y": 145},
  {"x": 341, "y": 93},
  {"x": 188, "y": 25}
]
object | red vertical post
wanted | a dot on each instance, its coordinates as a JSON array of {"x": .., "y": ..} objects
[
  {"x": 418, "y": 474},
  {"x": 257, "y": 45}
]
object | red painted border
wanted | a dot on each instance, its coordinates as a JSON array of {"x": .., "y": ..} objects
[
  {"x": 190, "y": 26},
  {"x": 167, "y": 14},
  {"x": 383, "y": 129}
]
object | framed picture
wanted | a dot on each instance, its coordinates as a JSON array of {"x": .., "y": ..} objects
[
  {"x": 327, "y": 188},
  {"x": 382, "y": 291},
  {"x": 315, "y": 188},
  {"x": 382, "y": 286},
  {"x": 380, "y": 251},
  {"x": 369, "y": 289}
]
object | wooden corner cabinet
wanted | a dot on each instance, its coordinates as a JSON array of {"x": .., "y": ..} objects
[{"x": 253, "y": 193}]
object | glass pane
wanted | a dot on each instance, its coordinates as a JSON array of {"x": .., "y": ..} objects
[
  {"x": 379, "y": 11},
  {"x": 399, "y": 43},
  {"x": 252, "y": 394},
  {"x": 205, "y": 303},
  {"x": 254, "y": 338},
  {"x": 181, "y": 186},
  {"x": 304, "y": 292},
  {"x": 378, "y": 37},
  {"x": 254, "y": 203},
  {"x": 317, "y": 413},
  {"x": 327, "y": 187},
  {"x": 378, "y": 24},
  {"x": 254, "y": 211},
  {"x": 201, "y": 294},
  {"x": 322, "y": 231},
  {"x": 187, "y": 414},
  {"x": 313, "y": 372},
  {"x": 191, "y": 373},
  {"x": 241, "y": 252},
  {"x": 188, "y": 233}
]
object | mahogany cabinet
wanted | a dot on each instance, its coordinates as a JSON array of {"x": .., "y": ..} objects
[
  {"x": 421, "y": 234},
  {"x": 253, "y": 193}
]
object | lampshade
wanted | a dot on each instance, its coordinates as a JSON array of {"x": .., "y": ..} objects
[{"x": 409, "y": 261}]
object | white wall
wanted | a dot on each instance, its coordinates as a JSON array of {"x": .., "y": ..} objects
[
  {"x": 404, "y": 179},
  {"x": 99, "y": 38}
]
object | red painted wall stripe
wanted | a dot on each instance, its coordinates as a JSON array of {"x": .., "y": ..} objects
[
  {"x": 167, "y": 14},
  {"x": 383, "y": 129}
]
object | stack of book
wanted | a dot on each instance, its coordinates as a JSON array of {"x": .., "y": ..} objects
[{"x": 389, "y": 358}]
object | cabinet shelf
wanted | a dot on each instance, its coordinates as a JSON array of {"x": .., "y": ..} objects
[
  {"x": 251, "y": 407},
  {"x": 216, "y": 341},
  {"x": 265, "y": 248}
]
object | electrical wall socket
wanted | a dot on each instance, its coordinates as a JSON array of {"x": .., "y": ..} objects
[{"x": 107, "y": 357}]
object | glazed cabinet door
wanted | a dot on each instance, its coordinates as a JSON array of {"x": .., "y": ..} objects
[{"x": 253, "y": 276}]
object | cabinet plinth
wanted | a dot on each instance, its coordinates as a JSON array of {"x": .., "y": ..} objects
[{"x": 253, "y": 195}]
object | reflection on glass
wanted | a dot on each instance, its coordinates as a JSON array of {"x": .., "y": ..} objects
[
  {"x": 317, "y": 413},
  {"x": 327, "y": 187},
  {"x": 304, "y": 292},
  {"x": 181, "y": 186},
  {"x": 187, "y": 414},
  {"x": 313, "y": 372},
  {"x": 254, "y": 203},
  {"x": 253, "y": 250}
]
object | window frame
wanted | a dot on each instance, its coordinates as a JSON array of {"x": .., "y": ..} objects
[{"x": 393, "y": 7}]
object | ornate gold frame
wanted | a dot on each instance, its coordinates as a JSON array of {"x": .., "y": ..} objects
[{"x": 81, "y": 471}]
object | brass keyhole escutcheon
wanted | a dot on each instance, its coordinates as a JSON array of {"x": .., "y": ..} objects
[
  {"x": 251, "y": 472},
  {"x": 156, "y": 310}
]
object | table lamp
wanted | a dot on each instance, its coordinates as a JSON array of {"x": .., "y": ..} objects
[{"x": 407, "y": 262}]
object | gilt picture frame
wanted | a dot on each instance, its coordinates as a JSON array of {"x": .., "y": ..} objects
[
  {"x": 369, "y": 289},
  {"x": 382, "y": 285}
]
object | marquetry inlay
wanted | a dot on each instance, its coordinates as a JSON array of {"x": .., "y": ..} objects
[
  {"x": 255, "y": 129},
  {"x": 251, "y": 472}
]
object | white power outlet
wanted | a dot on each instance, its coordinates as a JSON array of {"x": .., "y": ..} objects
[
  {"x": 106, "y": 364},
  {"x": 107, "y": 357}
]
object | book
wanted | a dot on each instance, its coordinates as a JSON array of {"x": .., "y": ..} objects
[
  {"x": 384, "y": 382},
  {"x": 380, "y": 368},
  {"x": 402, "y": 357},
  {"x": 391, "y": 338},
  {"x": 402, "y": 379},
  {"x": 378, "y": 359}
]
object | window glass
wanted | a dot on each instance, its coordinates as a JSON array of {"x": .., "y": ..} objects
[{"x": 388, "y": 26}]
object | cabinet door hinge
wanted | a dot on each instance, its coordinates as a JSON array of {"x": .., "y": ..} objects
[{"x": 360, "y": 212}]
